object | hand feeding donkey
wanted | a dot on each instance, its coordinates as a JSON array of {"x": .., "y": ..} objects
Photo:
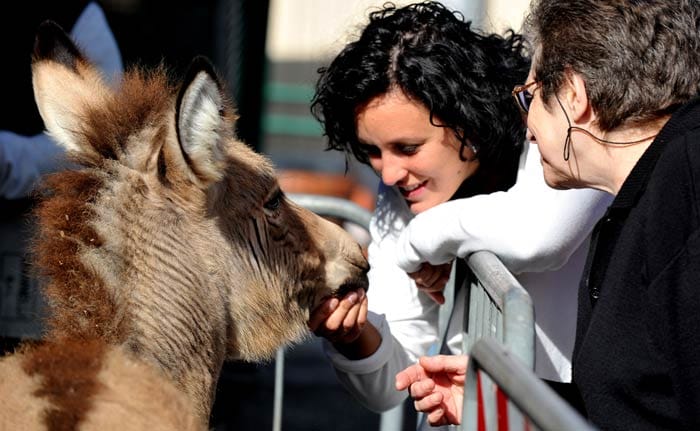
[{"x": 170, "y": 250}]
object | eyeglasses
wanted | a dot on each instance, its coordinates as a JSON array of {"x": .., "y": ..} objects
[{"x": 523, "y": 97}]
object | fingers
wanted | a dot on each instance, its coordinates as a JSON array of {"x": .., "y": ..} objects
[
  {"x": 452, "y": 364},
  {"x": 408, "y": 376},
  {"x": 438, "y": 297},
  {"x": 355, "y": 319},
  {"x": 343, "y": 320},
  {"x": 432, "y": 279},
  {"x": 321, "y": 313},
  {"x": 426, "y": 276},
  {"x": 428, "y": 403},
  {"x": 436, "y": 385},
  {"x": 430, "y": 275},
  {"x": 428, "y": 400},
  {"x": 437, "y": 417},
  {"x": 360, "y": 320},
  {"x": 422, "y": 389},
  {"x": 438, "y": 403},
  {"x": 345, "y": 315}
]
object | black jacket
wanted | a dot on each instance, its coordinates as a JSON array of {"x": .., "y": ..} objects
[{"x": 637, "y": 353}]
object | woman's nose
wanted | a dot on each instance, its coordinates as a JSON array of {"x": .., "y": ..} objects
[
  {"x": 530, "y": 136},
  {"x": 392, "y": 171}
]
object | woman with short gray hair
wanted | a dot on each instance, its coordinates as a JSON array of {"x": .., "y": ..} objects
[{"x": 611, "y": 101}]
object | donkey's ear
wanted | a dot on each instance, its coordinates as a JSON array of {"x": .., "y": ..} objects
[
  {"x": 203, "y": 121},
  {"x": 65, "y": 86}
]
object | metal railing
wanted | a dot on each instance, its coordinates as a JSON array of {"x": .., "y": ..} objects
[
  {"x": 498, "y": 310},
  {"x": 534, "y": 402},
  {"x": 498, "y": 306},
  {"x": 329, "y": 206}
]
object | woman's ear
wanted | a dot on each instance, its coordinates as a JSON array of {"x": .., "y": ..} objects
[{"x": 576, "y": 99}]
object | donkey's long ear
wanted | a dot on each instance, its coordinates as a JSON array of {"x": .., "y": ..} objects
[
  {"x": 204, "y": 121},
  {"x": 65, "y": 86}
]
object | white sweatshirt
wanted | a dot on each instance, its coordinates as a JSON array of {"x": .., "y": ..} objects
[{"x": 539, "y": 233}]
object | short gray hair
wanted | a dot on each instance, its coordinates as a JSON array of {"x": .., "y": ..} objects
[{"x": 640, "y": 59}]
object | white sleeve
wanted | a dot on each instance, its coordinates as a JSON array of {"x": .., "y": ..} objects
[
  {"x": 531, "y": 227},
  {"x": 405, "y": 317},
  {"x": 372, "y": 380}
]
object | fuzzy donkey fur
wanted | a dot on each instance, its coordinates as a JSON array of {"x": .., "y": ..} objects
[{"x": 170, "y": 250}]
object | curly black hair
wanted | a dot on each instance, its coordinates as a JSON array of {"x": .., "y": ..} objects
[{"x": 464, "y": 78}]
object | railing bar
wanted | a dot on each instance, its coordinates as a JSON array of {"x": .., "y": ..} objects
[
  {"x": 279, "y": 391},
  {"x": 532, "y": 396},
  {"x": 330, "y": 206},
  {"x": 480, "y": 305},
  {"x": 469, "y": 335},
  {"x": 490, "y": 402}
]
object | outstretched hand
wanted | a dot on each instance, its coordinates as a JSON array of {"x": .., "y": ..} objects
[
  {"x": 436, "y": 384},
  {"x": 340, "y": 321},
  {"x": 431, "y": 279}
]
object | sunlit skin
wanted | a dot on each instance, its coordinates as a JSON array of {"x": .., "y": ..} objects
[
  {"x": 407, "y": 151},
  {"x": 422, "y": 160},
  {"x": 558, "y": 173},
  {"x": 592, "y": 162},
  {"x": 436, "y": 384}
]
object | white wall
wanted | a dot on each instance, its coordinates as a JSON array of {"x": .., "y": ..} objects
[{"x": 308, "y": 30}]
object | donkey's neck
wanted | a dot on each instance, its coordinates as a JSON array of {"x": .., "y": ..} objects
[
  {"x": 177, "y": 311},
  {"x": 176, "y": 327}
]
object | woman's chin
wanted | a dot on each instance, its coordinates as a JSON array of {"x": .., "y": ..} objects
[{"x": 418, "y": 206}]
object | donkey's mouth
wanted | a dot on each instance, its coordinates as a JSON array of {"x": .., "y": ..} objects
[{"x": 359, "y": 282}]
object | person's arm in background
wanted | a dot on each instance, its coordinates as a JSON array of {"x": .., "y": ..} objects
[
  {"x": 92, "y": 34},
  {"x": 531, "y": 227},
  {"x": 24, "y": 159}
]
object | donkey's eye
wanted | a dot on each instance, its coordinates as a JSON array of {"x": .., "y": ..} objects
[{"x": 275, "y": 201}]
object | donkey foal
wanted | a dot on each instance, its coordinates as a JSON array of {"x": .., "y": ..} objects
[{"x": 170, "y": 250}]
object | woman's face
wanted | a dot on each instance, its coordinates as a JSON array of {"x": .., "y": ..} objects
[
  {"x": 546, "y": 127},
  {"x": 420, "y": 159}
]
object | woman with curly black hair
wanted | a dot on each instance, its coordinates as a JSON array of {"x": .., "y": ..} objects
[{"x": 425, "y": 100}]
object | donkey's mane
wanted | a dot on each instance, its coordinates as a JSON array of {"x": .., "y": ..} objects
[
  {"x": 80, "y": 305},
  {"x": 140, "y": 100}
]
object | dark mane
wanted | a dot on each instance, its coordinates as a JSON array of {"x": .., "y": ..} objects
[
  {"x": 77, "y": 297},
  {"x": 80, "y": 305},
  {"x": 142, "y": 98}
]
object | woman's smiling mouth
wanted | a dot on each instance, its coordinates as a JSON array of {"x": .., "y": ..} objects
[{"x": 409, "y": 192}]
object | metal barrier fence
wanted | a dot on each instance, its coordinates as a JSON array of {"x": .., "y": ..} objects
[
  {"x": 539, "y": 404},
  {"x": 499, "y": 308},
  {"x": 329, "y": 206},
  {"x": 499, "y": 327}
]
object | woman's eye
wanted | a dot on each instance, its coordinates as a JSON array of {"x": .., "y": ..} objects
[
  {"x": 409, "y": 149},
  {"x": 274, "y": 203}
]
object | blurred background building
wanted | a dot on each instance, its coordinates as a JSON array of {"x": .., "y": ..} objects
[{"x": 268, "y": 52}]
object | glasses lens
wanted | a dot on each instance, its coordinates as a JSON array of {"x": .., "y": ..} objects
[{"x": 524, "y": 99}]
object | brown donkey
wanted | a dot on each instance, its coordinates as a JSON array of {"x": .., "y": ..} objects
[{"x": 168, "y": 251}]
